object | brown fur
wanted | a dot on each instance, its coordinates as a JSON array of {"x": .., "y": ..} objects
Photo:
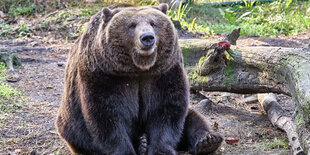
[{"x": 116, "y": 90}]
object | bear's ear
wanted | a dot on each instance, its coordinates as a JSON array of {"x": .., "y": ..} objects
[
  {"x": 107, "y": 14},
  {"x": 163, "y": 7}
]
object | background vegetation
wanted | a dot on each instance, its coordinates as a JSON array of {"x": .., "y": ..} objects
[
  {"x": 280, "y": 17},
  {"x": 9, "y": 97},
  {"x": 69, "y": 18}
]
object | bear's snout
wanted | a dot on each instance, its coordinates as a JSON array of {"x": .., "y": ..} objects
[{"x": 147, "y": 40}]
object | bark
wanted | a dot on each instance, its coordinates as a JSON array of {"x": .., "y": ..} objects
[
  {"x": 281, "y": 119},
  {"x": 253, "y": 70}
]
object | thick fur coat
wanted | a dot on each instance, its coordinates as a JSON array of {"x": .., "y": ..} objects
[{"x": 125, "y": 78}]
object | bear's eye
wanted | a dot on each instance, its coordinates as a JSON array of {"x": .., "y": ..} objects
[
  {"x": 152, "y": 23},
  {"x": 132, "y": 25}
]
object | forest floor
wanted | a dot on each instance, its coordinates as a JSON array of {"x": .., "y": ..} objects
[{"x": 31, "y": 129}]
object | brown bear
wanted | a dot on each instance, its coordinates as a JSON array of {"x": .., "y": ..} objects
[{"x": 125, "y": 78}]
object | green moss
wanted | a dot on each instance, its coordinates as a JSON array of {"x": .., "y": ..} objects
[
  {"x": 202, "y": 79},
  {"x": 192, "y": 75},
  {"x": 201, "y": 60},
  {"x": 300, "y": 119},
  {"x": 306, "y": 110},
  {"x": 299, "y": 65},
  {"x": 186, "y": 54},
  {"x": 230, "y": 74}
]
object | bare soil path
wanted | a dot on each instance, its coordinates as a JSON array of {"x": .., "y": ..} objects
[{"x": 30, "y": 129}]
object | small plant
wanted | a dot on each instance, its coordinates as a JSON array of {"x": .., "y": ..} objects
[
  {"x": 23, "y": 30},
  {"x": 9, "y": 97},
  {"x": 87, "y": 12},
  {"x": 5, "y": 29},
  {"x": 23, "y": 9},
  {"x": 178, "y": 14},
  {"x": 266, "y": 19},
  {"x": 147, "y": 2},
  {"x": 249, "y": 4},
  {"x": 275, "y": 143}
]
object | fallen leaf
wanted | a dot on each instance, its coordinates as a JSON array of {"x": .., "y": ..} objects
[{"x": 231, "y": 140}]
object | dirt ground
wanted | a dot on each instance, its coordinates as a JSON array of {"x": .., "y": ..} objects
[{"x": 30, "y": 129}]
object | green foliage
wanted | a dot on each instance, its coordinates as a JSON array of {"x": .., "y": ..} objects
[
  {"x": 28, "y": 7},
  {"x": 24, "y": 30},
  {"x": 87, "y": 12},
  {"x": 201, "y": 60},
  {"x": 22, "y": 9},
  {"x": 147, "y": 2},
  {"x": 9, "y": 97},
  {"x": 180, "y": 15},
  {"x": 275, "y": 144},
  {"x": 267, "y": 19},
  {"x": 21, "y": 30},
  {"x": 5, "y": 29},
  {"x": 17, "y": 7},
  {"x": 249, "y": 4}
]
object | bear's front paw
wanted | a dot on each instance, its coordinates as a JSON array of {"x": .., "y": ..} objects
[
  {"x": 209, "y": 143},
  {"x": 161, "y": 150}
]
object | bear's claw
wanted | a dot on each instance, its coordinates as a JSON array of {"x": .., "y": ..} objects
[
  {"x": 143, "y": 145},
  {"x": 209, "y": 143}
]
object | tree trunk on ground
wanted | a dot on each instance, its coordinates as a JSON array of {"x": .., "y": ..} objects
[
  {"x": 253, "y": 70},
  {"x": 281, "y": 119}
]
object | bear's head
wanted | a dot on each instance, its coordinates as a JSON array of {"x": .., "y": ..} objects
[{"x": 136, "y": 40}]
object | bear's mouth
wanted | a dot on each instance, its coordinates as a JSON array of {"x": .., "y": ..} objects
[
  {"x": 145, "y": 51},
  {"x": 144, "y": 58}
]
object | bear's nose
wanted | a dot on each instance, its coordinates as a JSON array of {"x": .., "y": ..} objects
[{"x": 147, "y": 39}]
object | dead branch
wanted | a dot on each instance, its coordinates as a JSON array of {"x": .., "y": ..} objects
[{"x": 282, "y": 120}]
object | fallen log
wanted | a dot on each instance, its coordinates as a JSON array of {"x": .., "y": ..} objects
[
  {"x": 12, "y": 42},
  {"x": 281, "y": 119},
  {"x": 253, "y": 70},
  {"x": 22, "y": 48}
]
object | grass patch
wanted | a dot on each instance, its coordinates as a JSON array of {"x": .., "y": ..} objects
[
  {"x": 10, "y": 98},
  {"x": 267, "y": 19},
  {"x": 8, "y": 31},
  {"x": 23, "y": 10},
  {"x": 276, "y": 143},
  {"x": 181, "y": 15},
  {"x": 282, "y": 17}
]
